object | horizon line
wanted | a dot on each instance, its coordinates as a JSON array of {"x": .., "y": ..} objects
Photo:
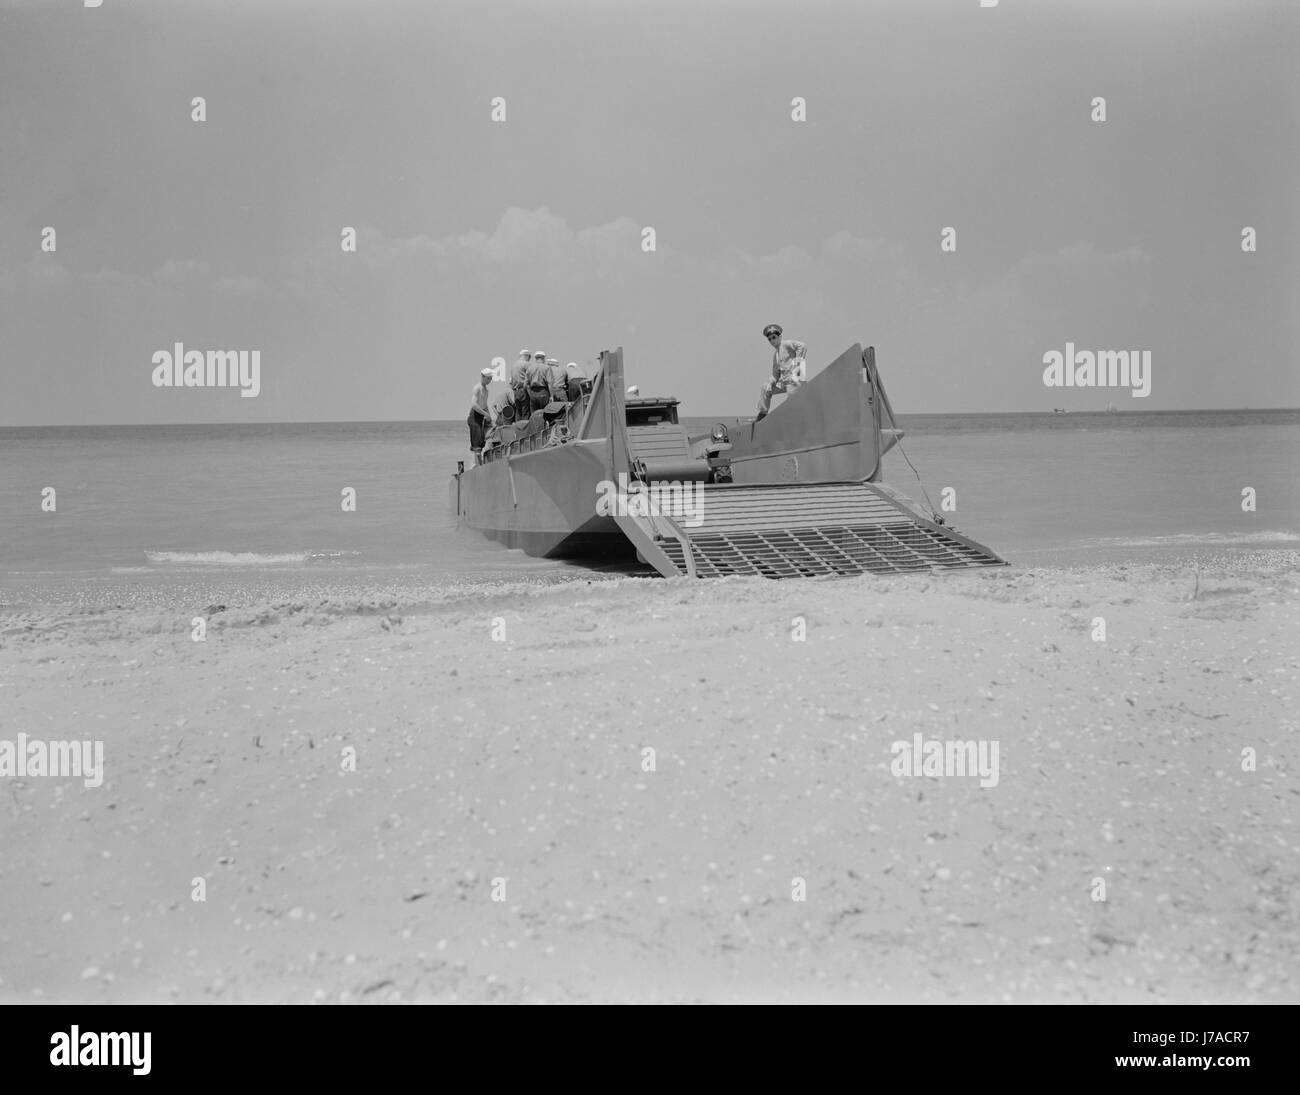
[{"x": 720, "y": 417}]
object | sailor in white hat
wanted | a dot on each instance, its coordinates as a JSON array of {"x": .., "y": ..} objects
[
  {"x": 519, "y": 382},
  {"x": 480, "y": 413},
  {"x": 573, "y": 378},
  {"x": 539, "y": 381},
  {"x": 555, "y": 377}
]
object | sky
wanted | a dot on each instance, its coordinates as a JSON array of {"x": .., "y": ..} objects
[{"x": 478, "y": 237}]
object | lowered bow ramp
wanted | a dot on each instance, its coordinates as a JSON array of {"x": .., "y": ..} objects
[{"x": 775, "y": 531}]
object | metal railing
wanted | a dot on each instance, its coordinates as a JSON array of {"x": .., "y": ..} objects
[{"x": 556, "y": 432}]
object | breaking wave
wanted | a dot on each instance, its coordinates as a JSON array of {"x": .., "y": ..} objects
[
  {"x": 1196, "y": 539},
  {"x": 241, "y": 558}
]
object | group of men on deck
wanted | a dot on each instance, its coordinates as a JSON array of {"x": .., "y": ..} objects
[
  {"x": 532, "y": 382},
  {"x": 536, "y": 380}
]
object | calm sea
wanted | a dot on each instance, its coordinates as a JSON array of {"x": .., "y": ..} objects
[{"x": 1036, "y": 488}]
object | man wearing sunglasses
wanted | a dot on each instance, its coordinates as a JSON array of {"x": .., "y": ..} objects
[{"x": 789, "y": 369}]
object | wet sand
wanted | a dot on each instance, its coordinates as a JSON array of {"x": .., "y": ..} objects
[{"x": 523, "y": 758}]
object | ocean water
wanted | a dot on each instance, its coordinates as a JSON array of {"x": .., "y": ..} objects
[{"x": 202, "y": 499}]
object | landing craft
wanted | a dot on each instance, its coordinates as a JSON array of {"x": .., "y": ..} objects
[{"x": 797, "y": 494}]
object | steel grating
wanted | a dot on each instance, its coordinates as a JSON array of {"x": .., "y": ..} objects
[{"x": 842, "y": 549}]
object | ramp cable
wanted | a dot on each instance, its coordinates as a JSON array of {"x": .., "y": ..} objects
[{"x": 934, "y": 513}]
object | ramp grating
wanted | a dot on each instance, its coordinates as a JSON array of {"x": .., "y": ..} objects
[{"x": 838, "y": 549}]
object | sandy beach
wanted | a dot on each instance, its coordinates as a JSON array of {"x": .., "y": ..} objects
[{"x": 502, "y": 839}]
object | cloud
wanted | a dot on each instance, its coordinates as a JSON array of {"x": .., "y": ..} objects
[
  {"x": 239, "y": 285},
  {"x": 109, "y": 277},
  {"x": 174, "y": 271},
  {"x": 424, "y": 312},
  {"x": 521, "y": 242},
  {"x": 1082, "y": 257},
  {"x": 845, "y": 246},
  {"x": 45, "y": 272},
  {"x": 525, "y": 249}
]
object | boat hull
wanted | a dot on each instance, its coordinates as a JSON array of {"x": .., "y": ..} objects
[{"x": 542, "y": 502}]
